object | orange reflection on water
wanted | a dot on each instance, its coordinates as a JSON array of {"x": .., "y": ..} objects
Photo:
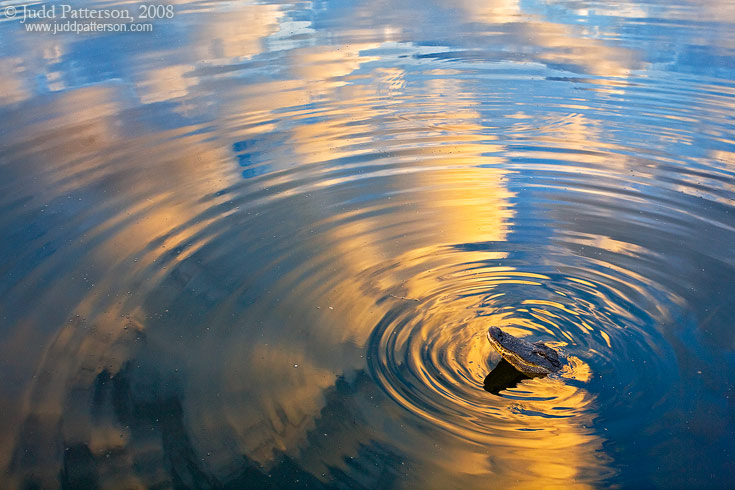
[
  {"x": 12, "y": 86},
  {"x": 235, "y": 33},
  {"x": 538, "y": 432},
  {"x": 558, "y": 44},
  {"x": 123, "y": 211},
  {"x": 255, "y": 385}
]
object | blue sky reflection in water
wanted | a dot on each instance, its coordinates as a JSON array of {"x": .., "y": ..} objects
[{"x": 260, "y": 246}]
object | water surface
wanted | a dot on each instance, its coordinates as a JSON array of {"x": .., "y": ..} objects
[{"x": 260, "y": 246}]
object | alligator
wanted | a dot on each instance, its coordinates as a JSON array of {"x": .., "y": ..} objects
[{"x": 532, "y": 359}]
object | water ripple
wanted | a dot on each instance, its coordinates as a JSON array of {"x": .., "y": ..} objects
[{"x": 266, "y": 248}]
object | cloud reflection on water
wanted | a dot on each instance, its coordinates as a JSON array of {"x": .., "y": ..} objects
[{"x": 215, "y": 251}]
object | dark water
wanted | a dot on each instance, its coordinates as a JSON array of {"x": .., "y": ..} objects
[{"x": 260, "y": 246}]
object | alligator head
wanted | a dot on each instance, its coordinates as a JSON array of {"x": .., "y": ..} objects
[{"x": 534, "y": 359}]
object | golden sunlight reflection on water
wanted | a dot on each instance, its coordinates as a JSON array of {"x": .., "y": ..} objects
[{"x": 269, "y": 250}]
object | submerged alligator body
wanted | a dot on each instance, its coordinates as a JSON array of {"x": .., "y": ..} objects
[{"x": 535, "y": 359}]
